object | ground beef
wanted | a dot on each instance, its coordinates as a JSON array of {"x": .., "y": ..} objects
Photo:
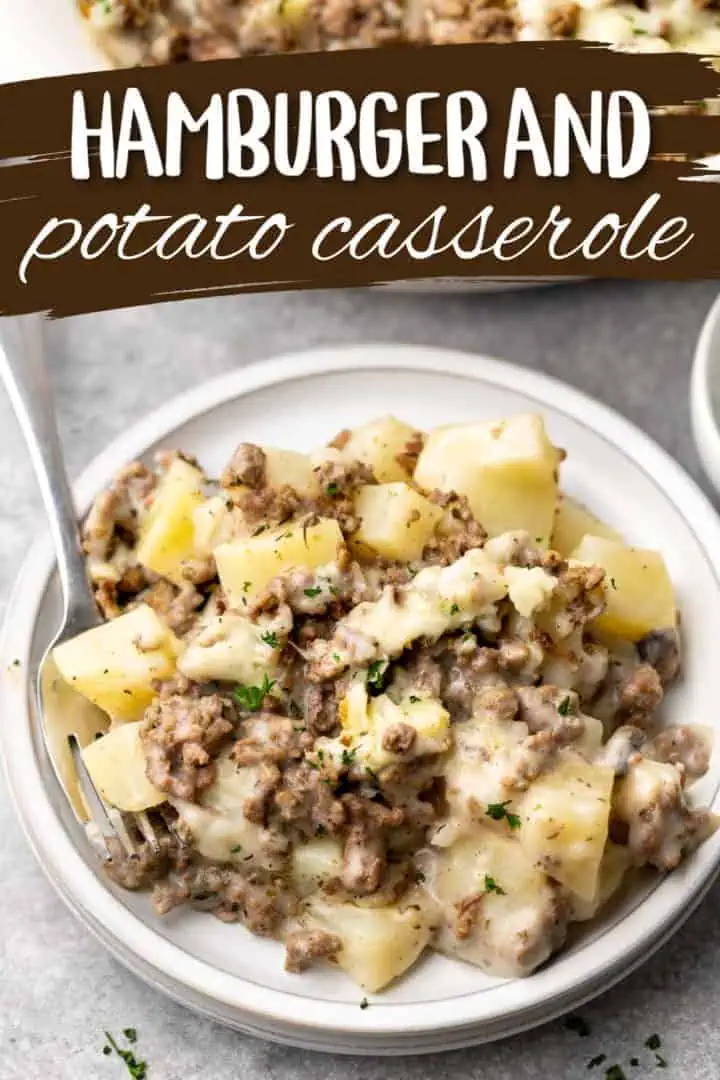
[
  {"x": 640, "y": 696},
  {"x": 338, "y": 481},
  {"x": 270, "y": 738},
  {"x": 176, "y": 605},
  {"x": 399, "y": 738},
  {"x": 457, "y": 532},
  {"x": 147, "y": 865},
  {"x": 306, "y": 801},
  {"x": 468, "y": 670},
  {"x": 454, "y": 22},
  {"x": 321, "y": 709},
  {"x": 661, "y": 827},
  {"x": 365, "y": 851},
  {"x": 117, "y": 510},
  {"x": 356, "y": 23},
  {"x": 246, "y": 466},
  {"x": 304, "y": 947},
  {"x": 551, "y": 709},
  {"x": 230, "y": 894},
  {"x": 181, "y": 735},
  {"x": 661, "y": 649},
  {"x": 257, "y": 806},
  {"x": 424, "y": 671},
  {"x": 687, "y": 746},
  {"x": 579, "y": 597}
]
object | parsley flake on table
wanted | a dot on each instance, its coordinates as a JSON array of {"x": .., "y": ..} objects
[
  {"x": 499, "y": 810},
  {"x": 578, "y": 1025},
  {"x": 251, "y": 698},
  {"x": 615, "y": 1072},
  {"x": 653, "y": 1042},
  {"x": 597, "y": 1060},
  {"x": 137, "y": 1070}
]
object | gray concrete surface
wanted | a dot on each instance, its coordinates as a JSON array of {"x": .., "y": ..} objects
[{"x": 628, "y": 344}]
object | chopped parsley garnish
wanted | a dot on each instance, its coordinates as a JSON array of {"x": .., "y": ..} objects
[
  {"x": 136, "y": 1069},
  {"x": 377, "y": 676},
  {"x": 634, "y": 1062},
  {"x": 578, "y": 1025},
  {"x": 332, "y": 489},
  {"x": 491, "y": 886},
  {"x": 454, "y": 609},
  {"x": 615, "y": 1073},
  {"x": 414, "y": 699},
  {"x": 612, "y": 582},
  {"x": 270, "y": 638},
  {"x": 364, "y": 1004},
  {"x": 653, "y": 1042},
  {"x": 251, "y": 698},
  {"x": 499, "y": 810},
  {"x": 597, "y": 1060},
  {"x": 660, "y": 1062},
  {"x": 130, "y": 1034},
  {"x": 348, "y": 757},
  {"x": 260, "y": 529},
  {"x": 246, "y": 585},
  {"x": 565, "y": 706},
  {"x": 314, "y": 590},
  {"x": 233, "y": 851},
  {"x": 372, "y": 775}
]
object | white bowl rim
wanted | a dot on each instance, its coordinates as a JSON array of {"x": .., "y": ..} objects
[
  {"x": 572, "y": 978},
  {"x": 704, "y": 418}
]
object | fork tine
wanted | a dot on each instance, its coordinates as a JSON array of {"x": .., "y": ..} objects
[
  {"x": 144, "y": 824},
  {"x": 105, "y": 823}
]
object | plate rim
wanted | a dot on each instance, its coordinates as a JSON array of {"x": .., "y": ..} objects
[{"x": 268, "y": 1005}]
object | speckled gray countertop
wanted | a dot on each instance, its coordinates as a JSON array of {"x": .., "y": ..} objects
[{"x": 628, "y": 344}]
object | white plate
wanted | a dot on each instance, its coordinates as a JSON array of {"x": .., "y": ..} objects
[
  {"x": 705, "y": 395},
  {"x": 299, "y": 401}
]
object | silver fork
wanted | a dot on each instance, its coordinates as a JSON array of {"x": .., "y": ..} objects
[{"x": 67, "y": 719}]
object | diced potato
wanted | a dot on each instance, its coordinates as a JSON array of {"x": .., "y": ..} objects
[
  {"x": 395, "y": 521},
  {"x": 353, "y": 708},
  {"x": 289, "y": 467},
  {"x": 565, "y": 816},
  {"x": 507, "y": 469},
  {"x": 572, "y": 522},
  {"x": 379, "y": 943},
  {"x": 116, "y": 763},
  {"x": 498, "y": 906},
  {"x": 230, "y": 648},
  {"x": 638, "y": 588},
  {"x": 378, "y": 445},
  {"x": 167, "y": 533},
  {"x": 614, "y": 865},
  {"x": 247, "y": 566},
  {"x": 218, "y": 824},
  {"x": 315, "y": 863},
  {"x": 115, "y": 664}
]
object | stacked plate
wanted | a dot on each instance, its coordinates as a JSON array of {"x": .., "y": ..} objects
[{"x": 224, "y": 971}]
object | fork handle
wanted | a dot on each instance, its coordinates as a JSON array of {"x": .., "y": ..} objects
[{"x": 27, "y": 379}]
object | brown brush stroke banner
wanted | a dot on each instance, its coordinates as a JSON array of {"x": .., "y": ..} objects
[{"x": 36, "y": 184}]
